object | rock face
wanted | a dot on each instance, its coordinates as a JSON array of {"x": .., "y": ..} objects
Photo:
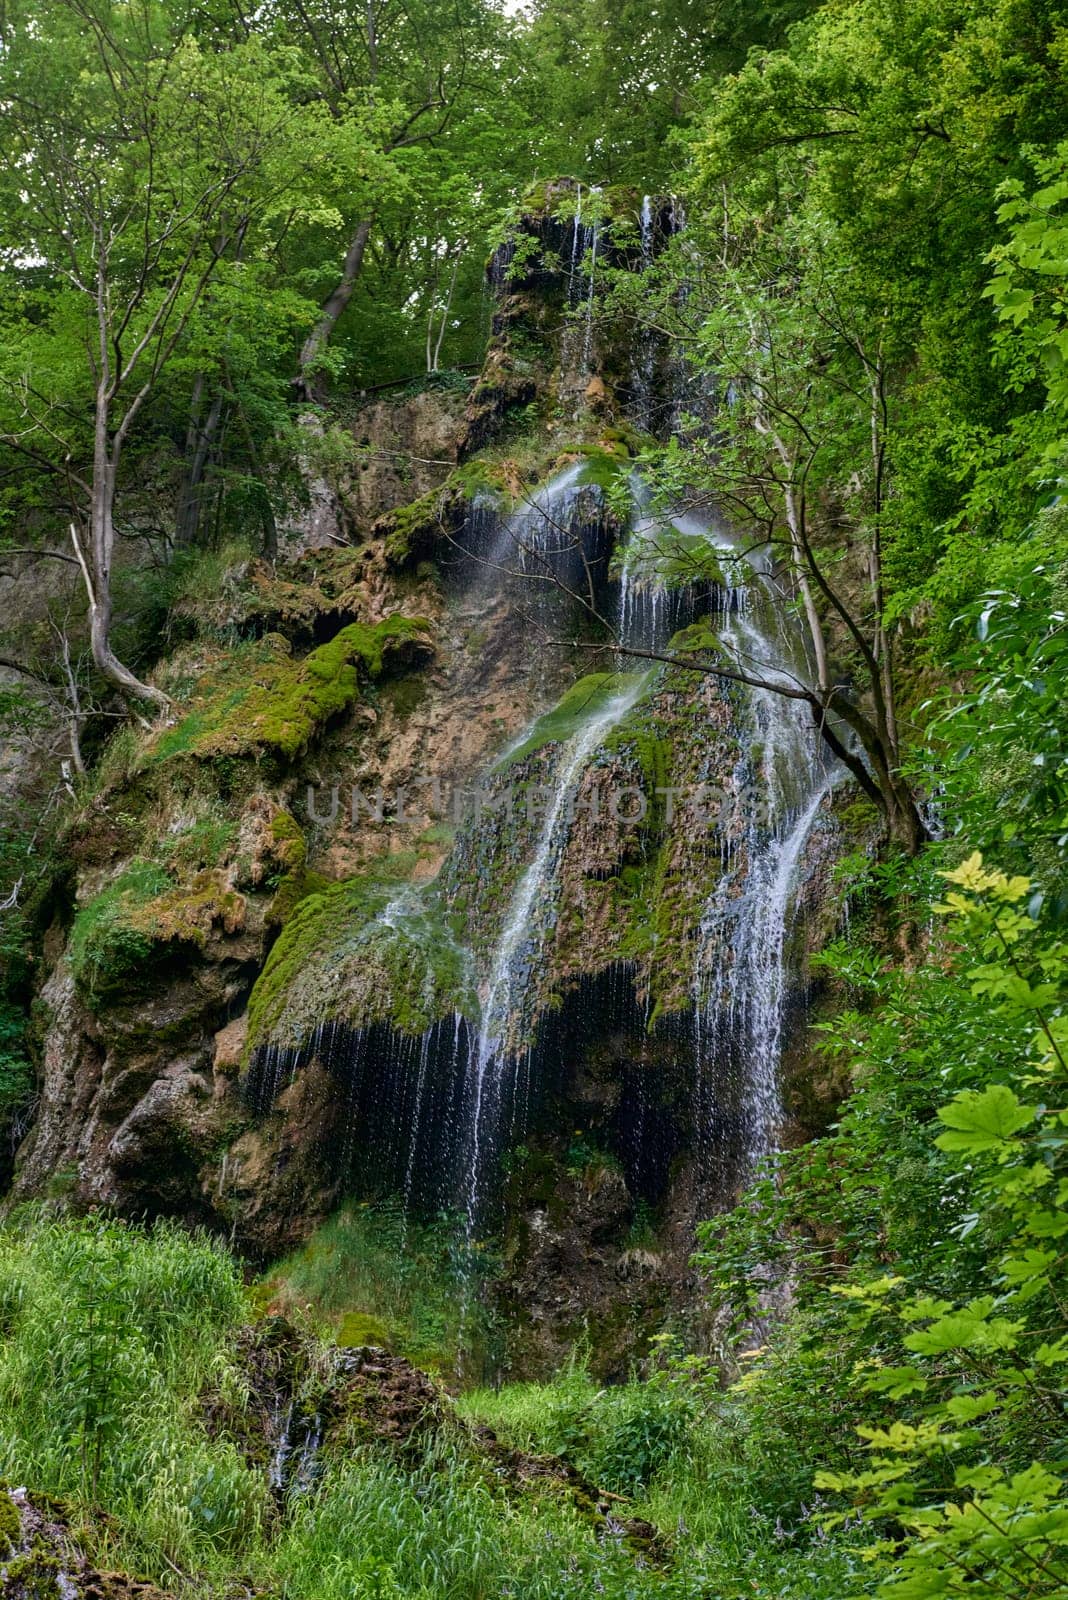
[
  {"x": 370, "y": 916},
  {"x": 41, "y": 1555}
]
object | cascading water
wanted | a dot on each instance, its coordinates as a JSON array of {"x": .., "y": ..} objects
[
  {"x": 741, "y": 977},
  {"x": 543, "y": 527},
  {"x": 666, "y": 579},
  {"x": 511, "y": 985},
  {"x": 576, "y": 348}
]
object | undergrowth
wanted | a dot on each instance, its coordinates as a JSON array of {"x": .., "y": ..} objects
[
  {"x": 120, "y": 1350},
  {"x": 377, "y": 1277}
]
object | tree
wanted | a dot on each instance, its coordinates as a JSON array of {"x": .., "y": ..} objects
[
  {"x": 133, "y": 165},
  {"x": 611, "y": 81},
  {"x": 407, "y": 75},
  {"x": 801, "y": 455}
]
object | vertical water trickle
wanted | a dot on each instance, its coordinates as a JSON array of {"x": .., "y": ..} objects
[
  {"x": 587, "y": 344},
  {"x": 576, "y": 343},
  {"x": 576, "y": 245},
  {"x": 644, "y": 351},
  {"x": 509, "y": 996},
  {"x": 742, "y": 971}
]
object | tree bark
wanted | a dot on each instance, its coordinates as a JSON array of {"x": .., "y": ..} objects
[
  {"x": 200, "y": 439},
  {"x": 96, "y": 566},
  {"x": 309, "y": 382}
]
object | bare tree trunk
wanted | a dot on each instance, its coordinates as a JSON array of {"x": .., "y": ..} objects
[
  {"x": 76, "y": 716},
  {"x": 199, "y": 442},
  {"x": 309, "y": 383},
  {"x": 96, "y": 566}
]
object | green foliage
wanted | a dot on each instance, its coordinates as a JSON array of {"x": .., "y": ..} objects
[
  {"x": 378, "y": 1277},
  {"x": 107, "y": 1336},
  {"x": 721, "y": 1473},
  {"x": 875, "y": 378},
  {"x": 16, "y": 1071},
  {"x": 619, "y": 1438},
  {"x": 130, "y": 1340},
  {"x": 1000, "y": 748},
  {"x": 1027, "y": 287},
  {"x": 946, "y": 1218}
]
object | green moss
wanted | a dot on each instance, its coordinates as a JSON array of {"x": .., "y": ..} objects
[
  {"x": 35, "y": 1575},
  {"x": 122, "y": 934},
  {"x": 604, "y": 464},
  {"x": 266, "y": 702},
  {"x": 294, "y": 889},
  {"x": 205, "y": 843},
  {"x": 339, "y": 956},
  {"x": 358, "y": 1328},
  {"x": 581, "y": 702},
  {"x": 10, "y": 1524},
  {"x": 288, "y": 844},
  {"x": 415, "y": 529}
]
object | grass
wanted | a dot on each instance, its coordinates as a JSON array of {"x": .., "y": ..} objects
[
  {"x": 108, "y": 1335},
  {"x": 121, "y": 1377},
  {"x": 105, "y": 947},
  {"x": 377, "y": 1277},
  {"x": 715, "y": 1471}
]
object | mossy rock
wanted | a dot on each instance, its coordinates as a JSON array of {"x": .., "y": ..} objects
[
  {"x": 265, "y": 703},
  {"x": 570, "y": 714},
  {"x": 231, "y": 591},
  {"x": 358, "y": 1329},
  {"x": 373, "y": 948},
  {"x": 142, "y": 919}
]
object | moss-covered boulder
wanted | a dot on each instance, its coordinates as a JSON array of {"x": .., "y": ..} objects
[
  {"x": 263, "y": 702},
  {"x": 374, "y": 948}
]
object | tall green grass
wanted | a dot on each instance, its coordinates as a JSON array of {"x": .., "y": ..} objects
[
  {"x": 378, "y": 1277},
  {"x": 108, "y": 1336},
  {"x": 112, "y": 1337},
  {"x": 718, "y": 1472}
]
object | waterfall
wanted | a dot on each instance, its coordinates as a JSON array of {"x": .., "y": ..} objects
[
  {"x": 430, "y": 1106},
  {"x": 741, "y": 975},
  {"x": 587, "y": 344},
  {"x": 542, "y": 528},
  {"x": 665, "y": 578},
  {"x": 511, "y": 987}
]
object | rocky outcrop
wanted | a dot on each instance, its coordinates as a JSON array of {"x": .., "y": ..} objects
[
  {"x": 42, "y": 1555},
  {"x": 267, "y": 976}
]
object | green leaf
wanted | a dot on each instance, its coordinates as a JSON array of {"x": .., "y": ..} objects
[{"x": 982, "y": 1119}]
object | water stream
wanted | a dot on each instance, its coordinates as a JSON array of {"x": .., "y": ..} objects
[
  {"x": 512, "y": 982},
  {"x": 742, "y": 971}
]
